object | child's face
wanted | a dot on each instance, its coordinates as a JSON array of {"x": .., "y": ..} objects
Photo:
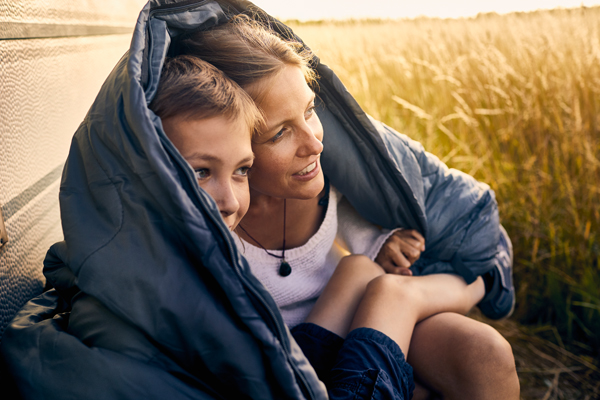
[{"x": 220, "y": 152}]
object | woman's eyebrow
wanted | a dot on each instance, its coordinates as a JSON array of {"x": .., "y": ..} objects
[{"x": 272, "y": 127}]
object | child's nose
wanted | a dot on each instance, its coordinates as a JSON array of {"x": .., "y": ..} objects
[{"x": 226, "y": 200}]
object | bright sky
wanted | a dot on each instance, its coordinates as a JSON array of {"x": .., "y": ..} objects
[{"x": 341, "y": 9}]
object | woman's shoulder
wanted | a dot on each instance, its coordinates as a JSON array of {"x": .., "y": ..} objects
[{"x": 335, "y": 194}]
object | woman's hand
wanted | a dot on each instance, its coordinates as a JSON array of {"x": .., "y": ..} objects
[{"x": 400, "y": 251}]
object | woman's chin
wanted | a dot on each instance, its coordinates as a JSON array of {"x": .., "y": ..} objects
[
  {"x": 310, "y": 190},
  {"x": 290, "y": 189}
]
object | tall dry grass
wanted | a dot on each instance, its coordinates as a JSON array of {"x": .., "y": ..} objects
[{"x": 515, "y": 101}]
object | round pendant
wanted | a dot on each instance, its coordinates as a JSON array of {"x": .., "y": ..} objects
[{"x": 284, "y": 268}]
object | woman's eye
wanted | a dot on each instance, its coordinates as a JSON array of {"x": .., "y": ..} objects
[
  {"x": 278, "y": 135},
  {"x": 310, "y": 112},
  {"x": 202, "y": 173},
  {"x": 243, "y": 171}
]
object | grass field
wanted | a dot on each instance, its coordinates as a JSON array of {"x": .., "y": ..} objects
[{"x": 515, "y": 101}]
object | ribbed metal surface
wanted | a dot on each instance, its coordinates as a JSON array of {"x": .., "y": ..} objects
[
  {"x": 33, "y": 229},
  {"x": 46, "y": 87},
  {"x": 21, "y": 30},
  {"x": 84, "y": 12}
]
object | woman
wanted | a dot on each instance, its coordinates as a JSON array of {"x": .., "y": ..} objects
[{"x": 283, "y": 229}]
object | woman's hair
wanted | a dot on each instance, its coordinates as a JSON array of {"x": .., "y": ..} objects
[
  {"x": 191, "y": 88},
  {"x": 247, "y": 52}
]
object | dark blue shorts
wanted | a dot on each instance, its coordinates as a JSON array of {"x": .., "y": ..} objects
[{"x": 366, "y": 365}]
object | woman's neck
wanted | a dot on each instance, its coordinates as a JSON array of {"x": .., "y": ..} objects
[{"x": 264, "y": 221}]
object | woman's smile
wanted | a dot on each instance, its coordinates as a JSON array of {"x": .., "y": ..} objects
[{"x": 309, "y": 172}]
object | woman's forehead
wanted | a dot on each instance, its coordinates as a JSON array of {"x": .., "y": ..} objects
[{"x": 286, "y": 95}]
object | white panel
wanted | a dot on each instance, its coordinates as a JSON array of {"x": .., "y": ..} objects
[
  {"x": 46, "y": 87},
  {"x": 94, "y": 12},
  {"x": 32, "y": 230}
]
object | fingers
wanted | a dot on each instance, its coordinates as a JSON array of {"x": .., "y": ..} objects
[
  {"x": 402, "y": 249},
  {"x": 408, "y": 247},
  {"x": 398, "y": 256},
  {"x": 412, "y": 237},
  {"x": 411, "y": 253},
  {"x": 391, "y": 268}
]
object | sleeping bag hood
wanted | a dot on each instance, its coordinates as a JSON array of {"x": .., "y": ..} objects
[{"x": 146, "y": 250}]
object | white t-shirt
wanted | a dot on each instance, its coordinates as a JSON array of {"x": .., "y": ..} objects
[{"x": 342, "y": 232}]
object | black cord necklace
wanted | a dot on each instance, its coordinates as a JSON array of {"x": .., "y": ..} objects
[{"x": 284, "y": 268}]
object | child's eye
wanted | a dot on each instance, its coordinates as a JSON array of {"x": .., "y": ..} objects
[
  {"x": 202, "y": 173},
  {"x": 243, "y": 171}
]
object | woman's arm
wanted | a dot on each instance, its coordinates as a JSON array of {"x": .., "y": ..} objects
[
  {"x": 357, "y": 235},
  {"x": 395, "y": 250}
]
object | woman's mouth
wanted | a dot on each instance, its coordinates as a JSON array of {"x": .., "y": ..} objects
[
  {"x": 307, "y": 169},
  {"x": 309, "y": 172}
]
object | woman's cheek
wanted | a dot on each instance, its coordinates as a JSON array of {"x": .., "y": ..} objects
[
  {"x": 317, "y": 128},
  {"x": 243, "y": 198},
  {"x": 267, "y": 165}
]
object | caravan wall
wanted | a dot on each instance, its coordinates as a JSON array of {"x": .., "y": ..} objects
[{"x": 54, "y": 56}]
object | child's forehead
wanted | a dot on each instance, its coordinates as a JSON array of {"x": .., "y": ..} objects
[{"x": 218, "y": 135}]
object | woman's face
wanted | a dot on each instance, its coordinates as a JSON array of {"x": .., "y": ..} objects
[{"x": 288, "y": 148}]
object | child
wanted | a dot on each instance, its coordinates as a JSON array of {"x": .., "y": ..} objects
[{"x": 210, "y": 120}]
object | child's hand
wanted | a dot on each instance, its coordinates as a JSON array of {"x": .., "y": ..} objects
[{"x": 400, "y": 251}]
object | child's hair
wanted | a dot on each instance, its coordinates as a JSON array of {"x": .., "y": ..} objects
[
  {"x": 191, "y": 88},
  {"x": 247, "y": 52}
]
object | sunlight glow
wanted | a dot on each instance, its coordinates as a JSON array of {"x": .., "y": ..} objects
[{"x": 343, "y": 9}]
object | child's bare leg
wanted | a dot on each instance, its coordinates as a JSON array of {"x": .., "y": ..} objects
[
  {"x": 394, "y": 304},
  {"x": 463, "y": 359},
  {"x": 452, "y": 354},
  {"x": 335, "y": 308}
]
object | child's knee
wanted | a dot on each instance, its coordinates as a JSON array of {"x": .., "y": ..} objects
[
  {"x": 391, "y": 287},
  {"x": 355, "y": 259},
  {"x": 358, "y": 264}
]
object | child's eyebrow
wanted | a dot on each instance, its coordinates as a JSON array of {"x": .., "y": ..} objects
[
  {"x": 210, "y": 157},
  {"x": 248, "y": 159},
  {"x": 202, "y": 156}
]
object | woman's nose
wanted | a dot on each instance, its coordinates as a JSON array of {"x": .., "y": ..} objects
[{"x": 311, "y": 140}]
